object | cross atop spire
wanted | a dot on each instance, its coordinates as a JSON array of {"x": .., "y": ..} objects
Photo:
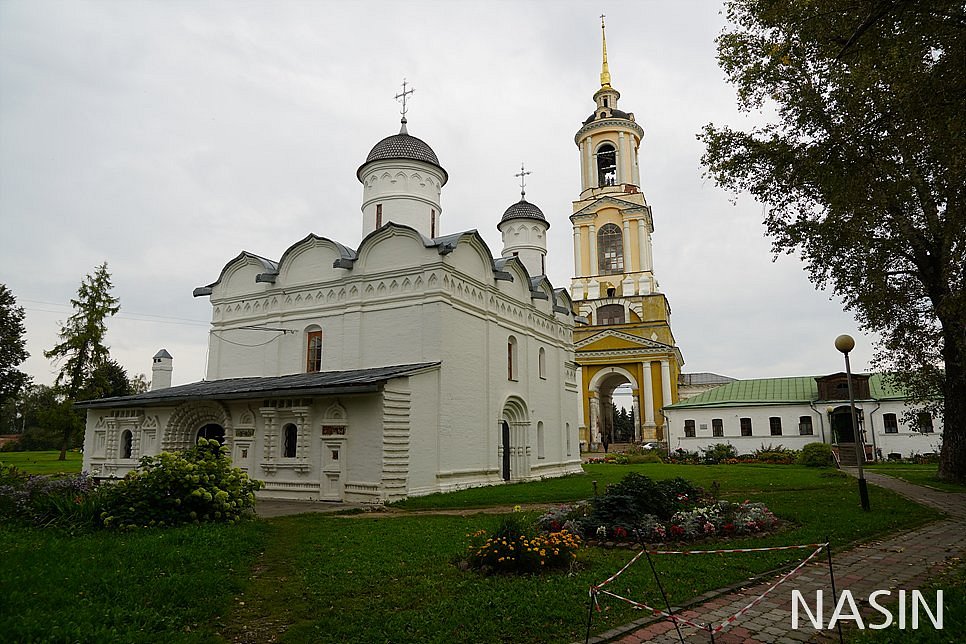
[
  {"x": 523, "y": 181},
  {"x": 402, "y": 96},
  {"x": 604, "y": 71}
]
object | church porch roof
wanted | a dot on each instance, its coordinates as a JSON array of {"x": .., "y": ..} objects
[{"x": 300, "y": 384}]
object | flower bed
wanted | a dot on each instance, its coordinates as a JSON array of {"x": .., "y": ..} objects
[
  {"x": 639, "y": 510},
  {"x": 517, "y": 548}
]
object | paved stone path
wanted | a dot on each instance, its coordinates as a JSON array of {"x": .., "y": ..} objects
[{"x": 905, "y": 561}]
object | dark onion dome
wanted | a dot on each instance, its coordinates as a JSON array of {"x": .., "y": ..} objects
[
  {"x": 612, "y": 114},
  {"x": 523, "y": 209},
  {"x": 403, "y": 146}
]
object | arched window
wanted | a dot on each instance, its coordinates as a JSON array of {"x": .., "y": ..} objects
[
  {"x": 610, "y": 314},
  {"x": 313, "y": 353},
  {"x": 212, "y": 431},
  {"x": 540, "y": 452},
  {"x": 511, "y": 358},
  {"x": 290, "y": 437},
  {"x": 542, "y": 363},
  {"x": 606, "y": 165},
  {"x": 610, "y": 249},
  {"x": 127, "y": 444}
]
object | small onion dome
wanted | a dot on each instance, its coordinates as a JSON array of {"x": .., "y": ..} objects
[
  {"x": 523, "y": 209},
  {"x": 403, "y": 146}
]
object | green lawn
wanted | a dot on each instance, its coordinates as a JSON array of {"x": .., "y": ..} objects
[
  {"x": 43, "y": 462},
  {"x": 154, "y": 585},
  {"x": 379, "y": 577},
  {"x": 385, "y": 578},
  {"x": 918, "y": 474}
]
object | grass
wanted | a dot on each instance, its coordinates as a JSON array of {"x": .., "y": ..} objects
[
  {"x": 152, "y": 585},
  {"x": 377, "y": 577},
  {"x": 43, "y": 462},
  {"x": 384, "y": 578},
  {"x": 918, "y": 474}
]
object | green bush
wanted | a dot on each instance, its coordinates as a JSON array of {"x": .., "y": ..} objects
[
  {"x": 815, "y": 455},
  {"x": 195, "y": 486},
  {"x": 70, "y": 502},
  {"x": 775, "y": 455},
  {"x": 719, "y": 452},
  {"x": 625, "y": 502}
]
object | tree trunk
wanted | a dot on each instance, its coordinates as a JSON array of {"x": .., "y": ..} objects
[{"x": 952, "y": 457}]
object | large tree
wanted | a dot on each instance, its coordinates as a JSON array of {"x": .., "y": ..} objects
[
  {"x": 863, "y": 171},
  {"x": 81, "y": 348},
  {"x": 13, "y": 346}
]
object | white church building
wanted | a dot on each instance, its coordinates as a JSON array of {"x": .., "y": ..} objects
[{"x": 415, "y": 363}]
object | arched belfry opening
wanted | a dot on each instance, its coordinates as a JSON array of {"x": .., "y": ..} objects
[{"x": 606, "y": 165}]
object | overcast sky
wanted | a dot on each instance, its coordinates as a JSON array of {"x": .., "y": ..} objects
[{"x": 166, "y": 137}]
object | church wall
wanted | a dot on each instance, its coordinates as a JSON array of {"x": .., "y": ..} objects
[
  {"x": 310, "y": 264},
  {"x": 467, "y": 392},
  {"x": 407, "y": 190},
  {"x": 428, "y": 454}
]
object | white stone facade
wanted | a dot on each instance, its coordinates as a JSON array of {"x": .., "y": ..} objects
[
  {"x": 497, "y": 401},
  {"x": 905, "y": 440}
]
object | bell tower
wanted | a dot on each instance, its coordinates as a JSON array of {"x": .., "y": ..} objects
[{"x": 628, "y": 340}]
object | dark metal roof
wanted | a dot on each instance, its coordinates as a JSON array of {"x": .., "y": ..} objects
[
  {"x": 403, "y": 146},
  {"x": 299, "y": 384},
  {"x": 613, "y": 114},
  {"x": 523, "y": 209},
  {"x": 163, "y": 353}
]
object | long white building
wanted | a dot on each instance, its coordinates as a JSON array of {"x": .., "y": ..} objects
[{"x": 792, "y": 412}]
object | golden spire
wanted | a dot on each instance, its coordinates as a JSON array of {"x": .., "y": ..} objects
[{"x": 604, "y": 71}]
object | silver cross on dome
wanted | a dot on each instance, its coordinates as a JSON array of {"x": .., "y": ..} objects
[{"x": 523, "y": 181}]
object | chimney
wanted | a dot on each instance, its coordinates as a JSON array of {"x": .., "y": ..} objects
[{"x": 161, "y": 370}]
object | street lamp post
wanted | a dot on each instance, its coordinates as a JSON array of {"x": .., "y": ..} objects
[{"x": 845, "y": 343}]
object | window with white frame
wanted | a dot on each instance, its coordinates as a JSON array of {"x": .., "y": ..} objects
[
  {"x": 290, "y": 438},
  {"x": 805, "y": 426},
  {"x": 775, "y": 425},
  {"x": 890, "y": 423},
  {"x": 717, "y": 427},
  {"x": 745, "y": 424}
]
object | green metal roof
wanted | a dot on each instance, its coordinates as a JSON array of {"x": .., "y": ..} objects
[{"x": 775, "y": 391}]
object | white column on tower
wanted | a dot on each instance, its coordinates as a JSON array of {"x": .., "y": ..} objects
[
  {"x": 578, "y": 269},
  {"x": 628, "y": 268},
  {"x": 594, "y": 421},
  {"x": 589, "y": 168},
  {"x": 642, "y": 246},
  {"x": 637, "y": 165},
  {"x": 621, "y": 166},
  {"x": 648, "y": 397},
  {"x": 666, "y": 381}
]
